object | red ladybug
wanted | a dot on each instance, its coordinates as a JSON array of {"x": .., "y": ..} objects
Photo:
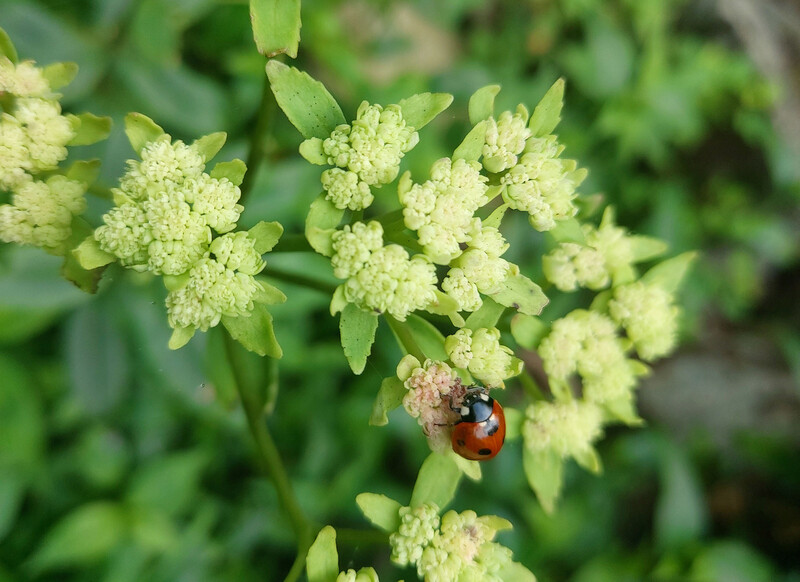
[{"x": 480, "y": 433}]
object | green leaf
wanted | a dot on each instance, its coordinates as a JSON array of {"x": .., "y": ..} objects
[
  {"x": 322, "y": 560},
  {"x": 311, "y": 150},
  {"x": 84, "y": 171},
  {"x": 472, "y": 469},
  {"x": 528, "y": 330},
  {"x": 306, "y": 102},
  {"x": 446, "y": 305},
  {"x": 357, "y": 329},
  {"x": 338, "y": 300},
  {"x": 486, "y": 316},
  {"x": 568, "y": 231},
  {"x": 471, "y": 147},
  {"x": 91, "y": 256},
  {"x": 436, "y": 482},
  {"x": 83, "y": 537},
  {"x": 419, "y": 110},
  {"x": 168, "y": 484},
  {"x": 680, "y": 516},
  {"x": 266, "y": 235},
  {"x": 624, "y": 410},
  {"x": 669, "y": 274},
  {"x": 141, "y": 130},
  {"x": 380, "y": 510},
  {"x": 321, "y": 222},
  {"x": 429, "y": 339},
  {"x": 60, "y": 74},
  {"x": 12, "y": 492},
  {"x": 255, "y": 332},
  {"x": 732, "y": 561},
  {"x": 545, "y": 473},
  {"x": 7, "y": 47},
  {"x": 481, "y": 104},
  {"x": 496, "y": 217},
  {"x": 390, "y": 396},
  {"x": 22, "y": 433},
  {"x": 180, "y": 337},
  {"x": 85, "y": 279},
  {"x": 522, "y": 294},
  {"x": 589, "y": 460},
  {"x": 233, "y": 170},
  {"x": 97, "y": 384},
  {"x": 153, "y": 531},
  {"x": 209, "y": 145},
  {"x": 276, "y": 26},
  {"x": 269, "y": 295},
  {"x": 547, "y": 113},
  {"x": 646, "y": 247},
  {"x": 515, "y": 572}
]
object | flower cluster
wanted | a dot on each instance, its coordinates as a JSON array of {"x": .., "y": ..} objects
[
  {"x": 366, "y": 153},
  {"x": 363, "y": 575},
  {"x": 505, "y": 140},
  {"x": 649, "y": 317},
  {"x": 568, "y": 428},
  {"x": 481, "y": 352},
  {"x": 381, "y": 278},
  {"x": 460, "y": 546},
  {"x": 442, "y": 209},
  {"x": 586, "y": 342},
  {"x": 33, "y": 139},
  {"x": 434, "y": 389}
]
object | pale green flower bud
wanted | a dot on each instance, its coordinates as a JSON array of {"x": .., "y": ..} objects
[
  {"x": 649, "y": 317},
  {"x": 41, "y": 213},
  {"x": 481, "y": 353},
  {"x": 337, "y": 146},
  {"x": 237, "y": 252},
  {"x": 568, "y": 428},
  {"x": 126, "y": 234},
  {"x": 442, "y": 209},
  {"x": 165, "y": 162},
  {"x": 345, "y": 190},
  {"x": 571, "y": 265},
  {"x": 363, "y": 575},
  {"x": 612, "y": 242},
  {"x": 418, "y": 526},
  {"x": 215, "y": 200},
  {"x": 505, "y": 140},
  {"x": 181, "y": 236},
  {"x": 464, "y": 291},
  {"x": 23, "y": 79},
  {"x": 488, "y": 273},
  {"x": 15, "y": 160},
  {"x": 47, "y": 130},
  {"x": 353, "y": 245}
]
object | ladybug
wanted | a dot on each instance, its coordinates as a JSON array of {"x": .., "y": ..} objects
[{"x": 480, "y": 433}]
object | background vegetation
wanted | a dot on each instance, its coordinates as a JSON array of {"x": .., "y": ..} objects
[{"x": 119, "y": 461}]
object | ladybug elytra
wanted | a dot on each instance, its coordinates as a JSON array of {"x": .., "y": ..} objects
[{"x": 480, "y": 433}]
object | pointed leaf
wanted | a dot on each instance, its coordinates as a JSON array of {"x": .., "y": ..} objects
[
  {"x": 547, "y": 113},
  {"x": 486, "y": 316},
  {"x": 380, "y": 510},
  {"x": 522, "y": 294},
  {"x": 357, "y": 329},
  {"x": 12, "y": 492},
  {"x": 84, "y": 171},
  {"x": 528, "y": 330},
  {"x": 669, "y": 274},
  {"x": 71, "y": 269},
  {"x": 83, "y": 537},
  {"x": 311, "y": 150},
  {"x": 141, "y": 130},
  {"x": 60, "y": 74},
  {"x": 471, "y": 147},
  {"x": 321, "y": 222},
  {"x": 91, "y": 256},
  {"x": 545, "y": 473},
  {"x": 233, "y": 170},
  {"x": 481, "y": 104},
  {"x": 209, "y": 145},
  {"x": 7, "y": 47},
  {"x": 446, "y": 305},
  {"x": 436, "y": 482},
  {"x": 92, "y": 129},
  {"x": 515, "y": 572},
  {"x": 472, "y": 469},
  {"x": 419, "y": 110},
  {"x": 568, "y": 231},
  {"x": 269, "y": 295},
  {"x": 266, "y": 235},
  {"x": 680, "y": 516},
  {"x": 496, "y": 217},
  {"x": 180, "y": 337},
  {"x": 306, "y": 102},
  {"x": 276, "y": 26},
  {"x": 646, "y": 247},
  {"x": 255, "y": 332},
  {"x": 390, "y": 396},
  {"x": 624, "y": 410},
  {"x": 589, "y": 460},
  {"x": 338, "y": 300}
]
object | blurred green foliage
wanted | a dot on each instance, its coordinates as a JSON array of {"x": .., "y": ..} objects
[{"x": 120, "y": 461}]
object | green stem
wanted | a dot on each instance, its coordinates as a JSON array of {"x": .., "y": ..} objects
[
  {"x": 257, "y": 138},
  {"x": 403, "y": 334},
  {"x": 270, "y": 459},
  {"x": 530, "y": 386},
  {"x": 392, "y": 218},
  {"x": 302, "y": 280}
]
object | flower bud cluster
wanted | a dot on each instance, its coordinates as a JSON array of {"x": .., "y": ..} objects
[
  {"x": 460, "y": 546},
  {"x": 649, "y": 317},
  {"x": 33, "y": 139},
  {"x": 365, "y": 153},
  {"x": 586, "y": 343},
  {"x": 442, "y": 209},
  {"x": 432, "y": 389},
  {"x": 568, "y": 428},
  {"x": 481, "y": 352},
  {"x": 543, "y": 184},
  {"x": 505, "y": 140},
  {"x": 381, "y": 278},
  {"x": 363, "y": 575}
]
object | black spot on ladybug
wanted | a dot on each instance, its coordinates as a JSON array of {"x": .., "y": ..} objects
[
  {"x": 492, "y": 428},
  {"x": 483, "y": 452}
]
